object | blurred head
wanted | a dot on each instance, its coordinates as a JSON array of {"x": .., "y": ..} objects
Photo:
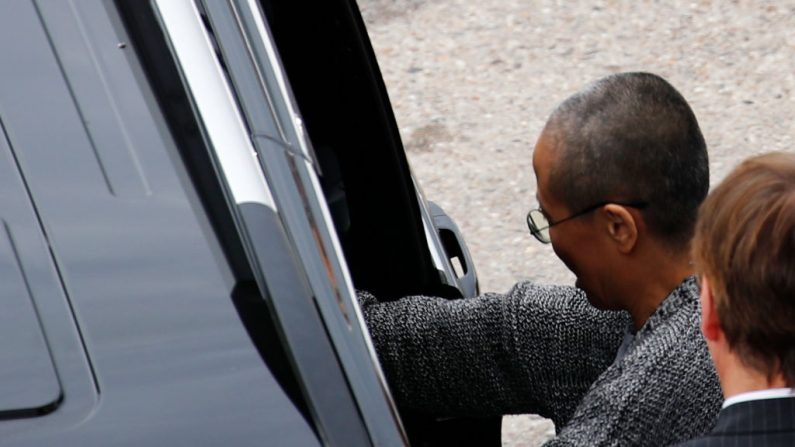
[
  {"x": 626, "y": 138},
  {"x": 745, "y": 248}
]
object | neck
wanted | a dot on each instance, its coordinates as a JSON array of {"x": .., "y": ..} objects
[
  {"x": 737, "y": 378},
  {"x": 656, "y": 279}
]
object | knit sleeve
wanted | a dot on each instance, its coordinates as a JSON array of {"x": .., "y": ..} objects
[{"x": 536, "y": 349}]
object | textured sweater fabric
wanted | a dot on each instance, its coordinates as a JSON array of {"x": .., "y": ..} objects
[{"x": 546, "y": 350}]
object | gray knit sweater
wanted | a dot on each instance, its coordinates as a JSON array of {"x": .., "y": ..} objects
[{"x": 546, "y": 350}]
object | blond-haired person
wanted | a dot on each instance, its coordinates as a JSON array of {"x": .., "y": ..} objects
[{"x": 744, "y": 249}]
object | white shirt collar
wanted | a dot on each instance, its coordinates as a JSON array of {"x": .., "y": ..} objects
[
  {"x": 772, "y": 393},
  {"x": 629, "y": 337}
]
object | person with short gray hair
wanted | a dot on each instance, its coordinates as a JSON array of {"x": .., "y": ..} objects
[
  {"x": 644, "y": 141},
  {"x": 621, "y": 169}
]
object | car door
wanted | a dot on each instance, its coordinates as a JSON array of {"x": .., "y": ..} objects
[
  {"x": 237, "y": 49},
  {"x": 185, "y": 177},
  {"x": 163, "y": 286},
  {"x": 395, "y": 243}
]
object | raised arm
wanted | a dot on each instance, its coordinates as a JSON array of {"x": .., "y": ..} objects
[{"x": 536, "y": 349}]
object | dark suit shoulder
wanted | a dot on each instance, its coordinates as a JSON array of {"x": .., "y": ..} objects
[
  {"x": 767, "y": 422},
  {"x": 749, "y": 440}
]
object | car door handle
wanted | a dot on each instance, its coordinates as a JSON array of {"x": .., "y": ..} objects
[{"x": 456, "y": 250}]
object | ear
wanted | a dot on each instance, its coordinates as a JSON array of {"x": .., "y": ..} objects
[
  {"x": 622, "y": 227},
  {"x": 710, "y": 326}
]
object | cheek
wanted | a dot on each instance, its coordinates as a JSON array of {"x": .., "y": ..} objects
[
  {"x": 564, "y": 254},
  {"x": 577, "y": 259}
]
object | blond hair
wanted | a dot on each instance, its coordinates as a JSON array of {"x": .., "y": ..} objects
[{"x": 745, "y": 244}]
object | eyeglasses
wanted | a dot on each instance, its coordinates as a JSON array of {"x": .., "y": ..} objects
[{"x": 539, "y": 225}]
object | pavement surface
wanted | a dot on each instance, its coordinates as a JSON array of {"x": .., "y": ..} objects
[{"x": 472, "y": 83}]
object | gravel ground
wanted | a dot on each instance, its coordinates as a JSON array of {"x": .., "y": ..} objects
[{"x": 472, "y": 83}]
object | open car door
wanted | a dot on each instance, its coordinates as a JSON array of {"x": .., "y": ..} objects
[{"x": 395, "y": 243}]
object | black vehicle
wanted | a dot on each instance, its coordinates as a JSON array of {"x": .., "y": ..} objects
[{"x": 191, "y": 190}]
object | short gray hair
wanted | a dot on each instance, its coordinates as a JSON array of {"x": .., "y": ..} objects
[{"x": 631, "y": 137}]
